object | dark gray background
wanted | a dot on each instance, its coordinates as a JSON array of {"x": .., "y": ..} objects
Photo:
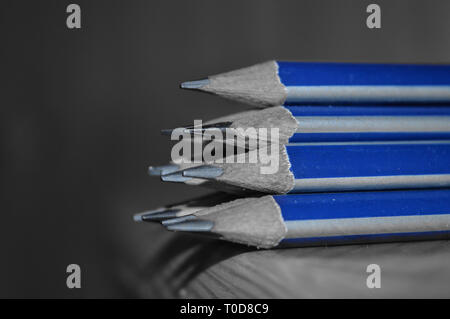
[{"x": 81, "y": 112}]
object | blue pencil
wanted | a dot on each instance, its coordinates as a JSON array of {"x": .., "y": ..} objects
[
  {"x": 277, "y": 83},
  {"x": 326, "y": 218},
  {"x": 341, "y": 123},
  {"x": 371, "y": 123},
  {"x": 368, "y": 110},
  {"x": 319, "y": 167}
]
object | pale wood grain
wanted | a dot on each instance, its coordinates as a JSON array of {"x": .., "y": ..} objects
[
  {"x": 416, "y": 270},
  {"x": 171, "y": 265}
]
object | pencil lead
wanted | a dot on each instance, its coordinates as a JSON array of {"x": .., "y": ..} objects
[
  {"x": 178, "y": 220},
  {"x": 167, "y": 132},
  {"x": 176, "y": 177},
  {"x": 162, "y": 170},
  {"x": 204, "y": 171},
  {"x": 194, "y": 85},
  {"x": 219, "y": 125},
  {"x": 159, "y": 215},
  {"x": 192, "y": 226},
  {"x": 222, "y": 126},
  {"x": 137, "y": 218}
]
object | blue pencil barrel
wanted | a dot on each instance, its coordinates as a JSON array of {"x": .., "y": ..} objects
[
  {"x": 397, "y": 132},
  {"x": 335, "y": 218},
  {"x": 331, "y": 83},
  {"x": 331, "y": 160},
  {"x": 368, "y": 110},
  {"x": 375, "y": 136},
  {"x": 319, "y": 73}
]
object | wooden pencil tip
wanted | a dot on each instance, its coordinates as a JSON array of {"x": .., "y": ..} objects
[
  {"x": 194, "y": 85},
  {"x": 205, "y": 171}
]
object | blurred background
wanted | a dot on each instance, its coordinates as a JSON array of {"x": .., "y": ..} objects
[{"x": 81, "y": 111}]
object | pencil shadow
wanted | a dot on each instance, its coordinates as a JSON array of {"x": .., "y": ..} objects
[{"x": 184, "y": 257}]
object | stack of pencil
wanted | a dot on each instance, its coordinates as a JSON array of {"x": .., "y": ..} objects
[{"x": 362, "y": 155}]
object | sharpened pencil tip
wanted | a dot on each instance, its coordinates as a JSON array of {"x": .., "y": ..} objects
[
  {"x": 162, "y": 170},
  {"x": 137, "y": 218},
  {"x": 192, "y": 226},
  {"x": 160, "y": 215},
  {"x": 176, "y": 177},
  {"x": 177, "y": 220},
  {"x": 180, "y": 130},
  {"x": 201, "y": 129},
  {"x": 205, "y": 171},
  {"x": 194, "y": 85},
  {"x": 167, "y": 132}
]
